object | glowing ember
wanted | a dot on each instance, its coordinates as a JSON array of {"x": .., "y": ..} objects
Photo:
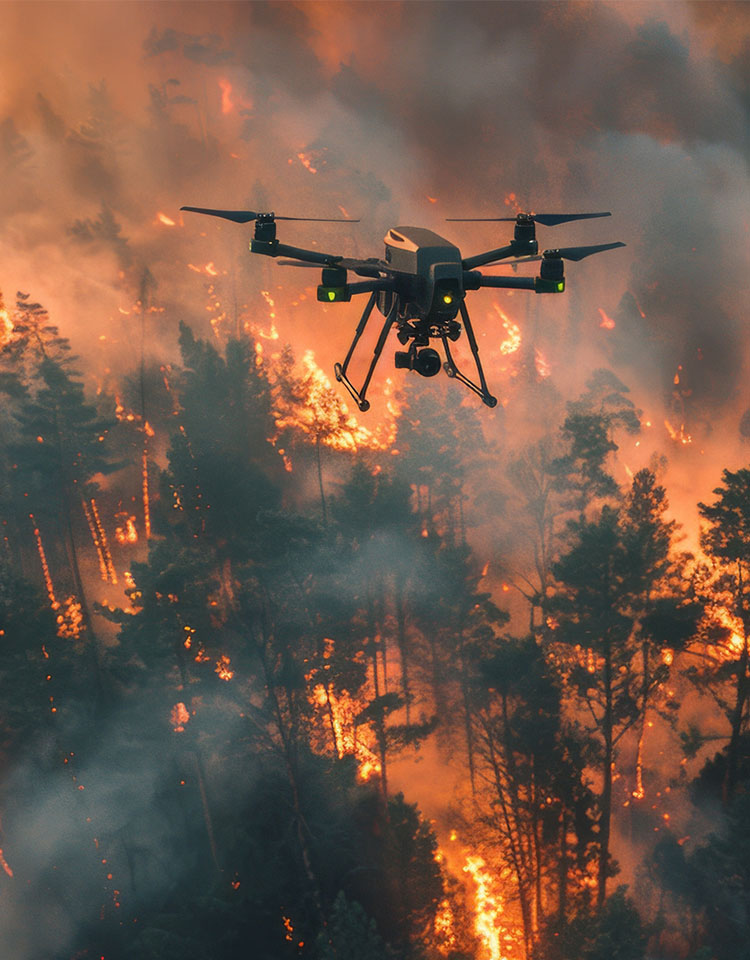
[
  {"x": 226, "y": 96},
  {"x": 607, "y": 323},
  {"x": 167, "y": 221},
  {"x": 222, "y": 668},
  {"x": 99, "y": 538},
  {"x": 736, "y": 643},
  {"x": 179, "y": 717}
]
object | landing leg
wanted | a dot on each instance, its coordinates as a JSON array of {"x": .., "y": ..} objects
[
  {"x": 340, "y": 369},
  {"x": 452, "y": 370}
]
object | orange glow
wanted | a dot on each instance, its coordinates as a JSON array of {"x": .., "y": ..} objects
[
  {"x": 226, "y": 96},
  {"x": 99, "y": 538},
  {"x": 4, "y": 864},
  {"x": 6, "y": 325},
  {"x": 167, "y": 221},
  {"x": 607, "y": 323},
  {"x": 179, "y": 716},
  {"x": 736, "y": 643}
]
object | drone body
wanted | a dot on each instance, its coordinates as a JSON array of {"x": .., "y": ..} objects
[{"x": 420, "y": 287}]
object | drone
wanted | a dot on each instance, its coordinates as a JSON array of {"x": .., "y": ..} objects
[{"x": 420, "y": 285}]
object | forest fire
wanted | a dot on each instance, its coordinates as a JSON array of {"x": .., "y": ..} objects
[{"x": 191, "y": 507}]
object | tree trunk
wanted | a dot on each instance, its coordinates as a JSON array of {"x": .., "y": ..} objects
[{"x": 605, "y": 815}]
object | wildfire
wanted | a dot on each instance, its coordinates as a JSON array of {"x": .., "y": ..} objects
[
  {"x": 167, "y": 221},
  {"x": 306, "y": 159},
  {"x": 444, "y": 922},
  {"x": 511, "y": 201},
  {"x": 144, "y": 486},
  {"x": 607, "y": 323},
  {"x": 4, "y": 864}
]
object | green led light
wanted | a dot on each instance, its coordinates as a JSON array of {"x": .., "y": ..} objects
[
  {"x": 331, "y": 294},
  {"x": 561, "y": 286}
]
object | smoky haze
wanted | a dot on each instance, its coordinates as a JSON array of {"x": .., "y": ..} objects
[{"x": 112, "y": 114}]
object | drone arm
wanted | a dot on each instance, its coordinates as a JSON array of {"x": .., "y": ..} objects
[
  {"x": 272, "y": 248},
  {"x": 511, "y": 250},
  {"x": 511, "y": 283}
]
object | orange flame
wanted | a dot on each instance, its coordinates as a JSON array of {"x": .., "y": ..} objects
[
  {"x": 542, "y": 366},
  {"x": 607, "y": 323},
  {"x": 222, "y": 668},
  {"x": 167, "y": 221},
  {"x": 126, "y": 531},
  {"x": 513, "y": 333},
  {"x": 45, "y": 568},
  {"x": 179, "y": 716},
  {"x": 6, "y": 325}
]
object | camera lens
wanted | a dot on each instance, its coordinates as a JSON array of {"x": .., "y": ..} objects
[{"x": 427, "y": 362}]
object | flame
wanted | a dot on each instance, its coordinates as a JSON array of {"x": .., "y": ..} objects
[
  {"x": 167, "y": 221},
  {"x": 70, "y": 620},
  {"x": 222, "y": 668},
  {"x": 736, "y": 643},
  {"x": 126, "y": 531},
  {"x": 144, "y": 488},
  {"x": 444, "y": 926},
  {"x": 542, "y": 366},
  {"x": 178, "y": 717},
  {"x": 99, "y": 538},
  {"x": 4, "y": 864},
  {"x": 679, "y": 436},
  {"x": 306, "y": 159},
  {"x": 323, "y": 415},
  {"x": 607, "y": 323},
  {"x": 54, "y": 604},
  {"x": 6, "y": 325},
  {"x": 488, "y": 908},
  {"x": 513, "y": 333}
]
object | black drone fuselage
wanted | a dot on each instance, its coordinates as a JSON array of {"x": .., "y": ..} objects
[{"x": 420, "y": 286}]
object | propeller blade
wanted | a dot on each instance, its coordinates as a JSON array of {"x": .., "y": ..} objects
[
  {"x": 565, "y": 253},
  {"x": 300, "y": 263},
  {"x": 578, "y": 253},
  {"x": 546, "y": 219},
  {"x": 238, "y": 216},
  {"x": 247, "y": 216}
]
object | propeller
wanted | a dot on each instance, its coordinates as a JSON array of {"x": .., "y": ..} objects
[
  {"x": 564, "y": 253},
  {"x": 546, "y": 219},
  {"x": 247, "y": 216}
]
